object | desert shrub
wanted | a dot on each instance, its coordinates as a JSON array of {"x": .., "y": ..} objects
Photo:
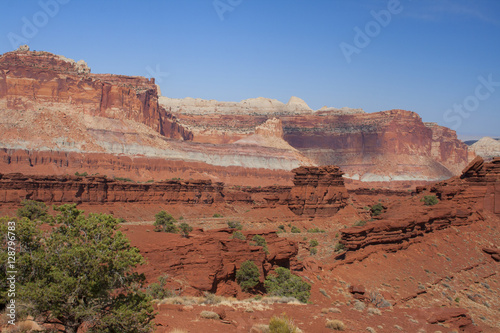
[
  {"x": 234, "y": 225},
  {"x": 165, "y": 222},
  {"x": 359, "y": 223},
  {"x": 377, "y": 209},
  {"x": 429, "y": 200},
  {"x": 157, "y": 290},
  {"x": 150, "y": 181},
  {"x": 238, "y": 235},
  {"x": 282, "y": 324},
  {"x": 217, "y": 215},
  {"x": 335, "y": 325},
  {"x": 284, "y": 283},
  {"x": 248, "y": 275},
  {"x": 260, "y": 241},
  {"x": 313, "y": 251},
  {"x": 378, "y": 300},
  {"x": 313, "y": 243},
  {"x": 295, "y": 230},
  {"x": 339, "y": 247},
  {"x": 33, "y": 210},
  {"x": 185, "y": 229},
  {"x": 123, "y": 179},
  {"x": 316, "y": 230},
  {"x": 209, "y": 315},
  {"x": 83, "y": 174}
]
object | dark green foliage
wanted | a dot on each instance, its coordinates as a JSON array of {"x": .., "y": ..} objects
[
  {"x": 260, "y": 241},
  {"x": 248, "y": 275},
  {"x": 359, "y": 223},
  {"x": 295, "y": 230},
  {"x": 282, "y": 227},
  {"x": 377, "y": 209},
  {"x": 165, "y": 222},
  {"x": 234, "y": 225},
  {"x": 81, "y": 272},
  {"x": 284, "y": 283},
  {"x": 33, "y": 210},
  {"x": 158, "y": 290},
  {"x": 429, "y": 200},
  {"x": 83, "y": 174},
  {"x": 313, "y": 243},
  {"x": 185, "y": 229},
  {"x": 238, "y": 235},
  {"x": 313, "y": 251},
  {"x": 217, "y": 215},
  {"x": 316, "y": 230}
]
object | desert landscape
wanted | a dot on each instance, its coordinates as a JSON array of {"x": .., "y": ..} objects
[{"x": 383, "y": 222}]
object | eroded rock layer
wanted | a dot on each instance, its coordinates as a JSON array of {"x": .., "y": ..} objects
[{"x": 461, "y": 200}]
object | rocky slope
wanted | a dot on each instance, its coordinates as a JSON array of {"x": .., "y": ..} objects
[{"x": 461, "y": 201}]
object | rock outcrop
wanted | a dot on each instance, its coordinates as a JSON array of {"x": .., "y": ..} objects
[
  {"x": 207, "y": 261},
  {"x": 462, "y": 201},
  {"x": 317, "y": 191}
]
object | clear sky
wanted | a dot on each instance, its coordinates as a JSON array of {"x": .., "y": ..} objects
[{"x": 439, "y": 58}]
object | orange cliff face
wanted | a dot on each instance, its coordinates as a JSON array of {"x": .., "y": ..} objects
[{"x": 30, "y": 80}]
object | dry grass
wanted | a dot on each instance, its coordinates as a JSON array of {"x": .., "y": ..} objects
[
  {"x": 335, "y": 325},
  {"x": 209, "y": 315},
  {"x": 178, "y": 330},
  {"x": 282, "y": 324}
]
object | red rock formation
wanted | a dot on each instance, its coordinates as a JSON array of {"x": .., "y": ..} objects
[
  {"x": 462, "y": 199},
  {"x": 317, "y": 191},
  {"x": 95, "y": 189},
  {"x": 30, "y": 80},
  {"x": 207, "y": 261},
  {"x": 137, "y": 168}
]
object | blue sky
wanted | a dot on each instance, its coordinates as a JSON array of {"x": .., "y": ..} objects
[{"x": 439, "y": 58}]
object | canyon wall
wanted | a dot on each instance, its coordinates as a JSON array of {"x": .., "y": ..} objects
[{"x": 317, "y": 191}]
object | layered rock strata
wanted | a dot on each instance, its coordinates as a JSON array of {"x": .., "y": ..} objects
[{"x": 462, "y": 201}]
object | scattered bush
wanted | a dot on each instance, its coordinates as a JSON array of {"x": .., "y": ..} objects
[
  {"x": 185, "y": 229},
  {"x": 429, "y": 200},
  {"x": 339, "y": 247},
  {"x": 377, "y": 209},
  {"x": 284, "y": 283},
  {"x": 359, "y": 223},
  {"x": 165, "y": 222},
  {"x": 158, "y": 291},
  {"x": 83, "y": 174},
  {"x": 123, "y": 179},
  {"x": 281, "y": 227},
  {"x": 313, "y": 243},
  {"x": 295, "y": 230},
  {"x": 282, "y": 325},
  {"x": 260, "y": 241},
  {"x": 181, "y": 218},
  {"x": 248, "y": 275},
  {"x": 217, "y": 215},
  {"x": 238, "y": 235},
  {"x": 234, "y": 225},
  {"x": 209, "y": 315},
  {"x": 335, "y": 325},
  {"x": 316, "y": 230},
  {"x": 150, "y": 181},
  {"x": 313, "y": 251},
  {"x": 33, "y": 210}
]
